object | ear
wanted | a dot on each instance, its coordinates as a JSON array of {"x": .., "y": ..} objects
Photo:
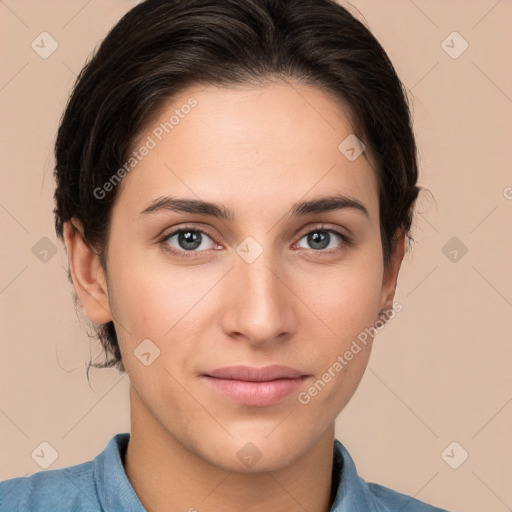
[
  {"x": 88, "y": 276},
  {"x": 390, "y": 277}
]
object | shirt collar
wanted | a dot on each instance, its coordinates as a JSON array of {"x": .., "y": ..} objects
[
  {"x": 112, "y": 485},
  {"x": 353, "y": 494},
  {"x": 116, "y": 493}
]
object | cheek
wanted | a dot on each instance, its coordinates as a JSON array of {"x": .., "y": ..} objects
[
  {"x": 155, "y": 304},
  {"x": 163, "y": 302},
  {"x": 346, "y": 297},
  {"x": 150, "y": 303},
  {"x": 347, "y": 306},
  {"x": 347, "y": 301}
]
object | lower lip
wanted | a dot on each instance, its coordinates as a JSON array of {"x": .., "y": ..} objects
[{"x": 258, "y": 394}]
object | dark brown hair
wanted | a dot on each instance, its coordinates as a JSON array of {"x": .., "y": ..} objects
[{"x": 161, "y": 47}]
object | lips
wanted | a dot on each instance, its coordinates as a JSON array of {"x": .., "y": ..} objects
[
  {"x": 256, "y": 387},
  {"x": 253, "y": 374}
]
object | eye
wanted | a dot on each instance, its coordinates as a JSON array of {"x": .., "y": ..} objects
[
  {"x": 322, "y": 238},
  {"x": 187, "y": 242}
]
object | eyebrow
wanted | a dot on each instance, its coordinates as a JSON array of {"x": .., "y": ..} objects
[{"x": 317, "y": 205}]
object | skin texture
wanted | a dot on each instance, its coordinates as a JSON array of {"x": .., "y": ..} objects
[{"x": 256, "y": 150}]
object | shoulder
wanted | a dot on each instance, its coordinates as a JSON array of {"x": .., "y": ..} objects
[
  {"x": 64, "y": 489},
  {"x": 389, "y": 500},
  {"x": 355, "y": 494}
]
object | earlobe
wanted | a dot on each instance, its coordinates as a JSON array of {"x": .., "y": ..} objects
[
  {"x": 390, "y": 277},
  {"x": 87, "y": 273}
]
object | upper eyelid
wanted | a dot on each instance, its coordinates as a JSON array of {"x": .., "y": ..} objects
[{"x": 175, "y": 231}]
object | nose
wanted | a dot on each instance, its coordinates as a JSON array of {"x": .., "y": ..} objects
[{"x": 262, "y": 306}]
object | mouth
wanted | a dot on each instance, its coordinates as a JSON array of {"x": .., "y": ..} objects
[{"x": 257, "y": 387}]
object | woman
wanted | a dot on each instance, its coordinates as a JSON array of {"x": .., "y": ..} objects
[{"x": 235, "y": 189}]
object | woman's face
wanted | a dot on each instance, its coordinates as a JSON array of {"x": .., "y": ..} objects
[{"x": 250, "y": 288}]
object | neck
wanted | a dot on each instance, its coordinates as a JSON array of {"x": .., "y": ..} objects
[{"x": 168, "y": 476}]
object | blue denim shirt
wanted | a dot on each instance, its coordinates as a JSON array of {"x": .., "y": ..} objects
[{"x": 101, "y": 485}]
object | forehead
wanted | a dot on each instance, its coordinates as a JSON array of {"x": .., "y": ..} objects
[{"x": 249, "y": 146}]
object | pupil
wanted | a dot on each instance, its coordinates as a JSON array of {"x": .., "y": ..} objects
[
  {"x": 187, "y": 237},
  {"x": 319, "y": 237}
]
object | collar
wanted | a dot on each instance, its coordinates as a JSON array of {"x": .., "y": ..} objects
[{"x": 116, "y": 493}]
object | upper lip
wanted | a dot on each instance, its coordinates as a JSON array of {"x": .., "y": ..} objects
[{"x": 255, "y": 374}]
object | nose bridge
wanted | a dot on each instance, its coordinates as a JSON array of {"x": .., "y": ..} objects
[
  {"x": 261, "y": 299},
  {"x": 256, "y": 270},
  {"x": 259, "y": 275}
]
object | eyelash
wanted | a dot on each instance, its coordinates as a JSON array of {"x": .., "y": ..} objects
[{"x": 346, "y": 241}]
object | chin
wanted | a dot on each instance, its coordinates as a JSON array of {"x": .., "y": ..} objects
[{"x": 257, "y": 453}]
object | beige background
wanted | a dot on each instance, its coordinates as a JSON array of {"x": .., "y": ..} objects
[{"x": 440, "y": 371}]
